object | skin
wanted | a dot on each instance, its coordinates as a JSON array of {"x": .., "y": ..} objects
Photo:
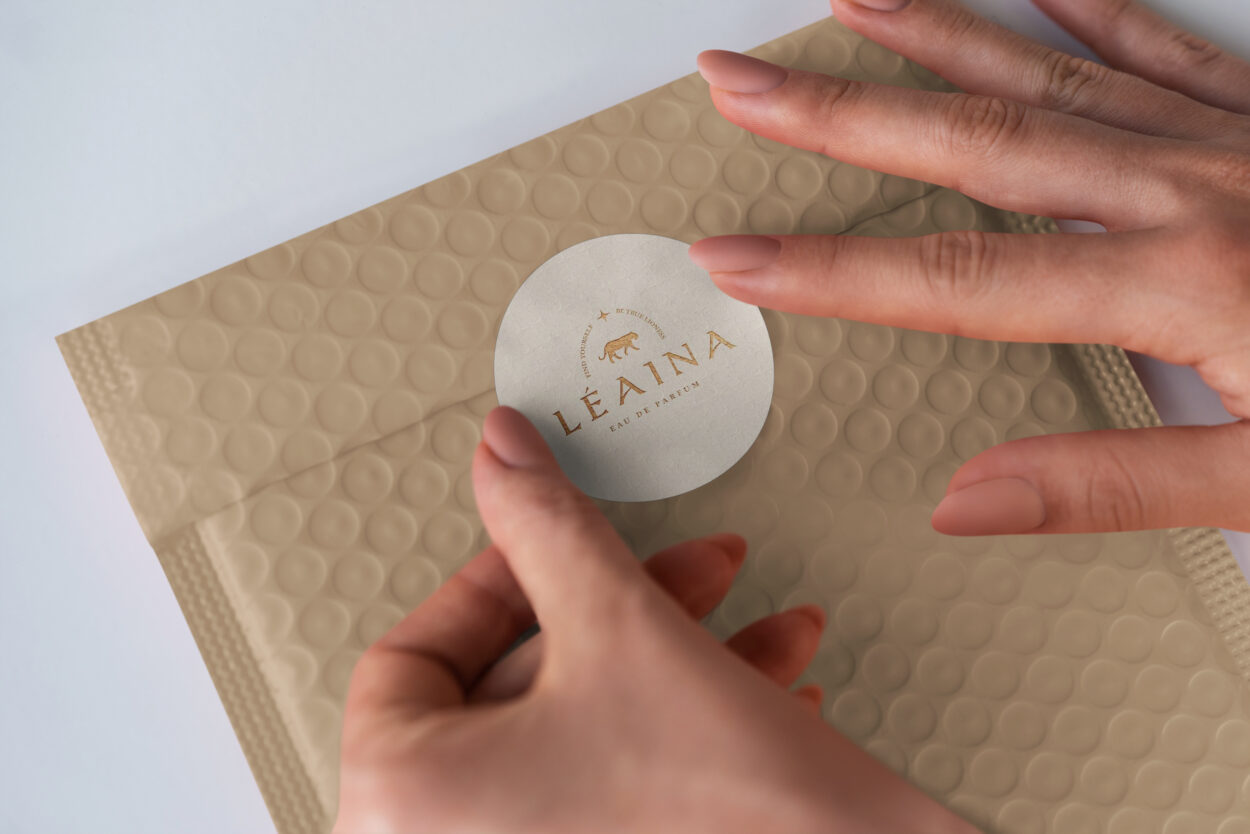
[
  {"x": 625, "y": 715},
  {"x": 1155, "y": 148}
]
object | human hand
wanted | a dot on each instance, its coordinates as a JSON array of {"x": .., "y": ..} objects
[
  {"x": 1157, "y": 151},
  {"x": 626, "y": 716}
]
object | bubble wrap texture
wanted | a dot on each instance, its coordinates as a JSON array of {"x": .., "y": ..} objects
[{"x": 294, "y": 433}]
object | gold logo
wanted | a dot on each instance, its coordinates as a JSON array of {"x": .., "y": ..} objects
[
  {"x": 616, "y": 350},
  {"x": 623, "y": 343}
]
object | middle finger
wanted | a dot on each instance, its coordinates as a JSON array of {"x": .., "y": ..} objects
[{"x": 995, "y": 150}]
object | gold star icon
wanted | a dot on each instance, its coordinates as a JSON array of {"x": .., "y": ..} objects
[{"x": 603, "y": 316}]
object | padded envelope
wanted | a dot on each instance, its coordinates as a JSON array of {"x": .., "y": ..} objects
[{"x": 294, "y": 434}]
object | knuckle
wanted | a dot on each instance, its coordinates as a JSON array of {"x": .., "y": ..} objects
[
  {"x": 536, "y": 506},
  {"x": 983, "y": 124},
  {"x": 833, "y": 96},
  {"x": 1219, "y": 171},
  {"x": 959, "y": 23},
  {"x": 1067, "y": 81},
  {"x": 1207, "y": 180},
  {"x": 1232, "y": 170},
  {"x": 1186, "y": 51},
  {"x": 1113, "y": 494},
  {"x": 1110, "y": 14},
  {"x": 957, "y": 267},
  {"x": 826, "y": 252},
  {"x": 565, "y": 506}
]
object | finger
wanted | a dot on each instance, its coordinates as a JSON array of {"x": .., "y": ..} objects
[
  {"x": 988, "y": 59},
  {"x": 781, "y": 645},
  {"x": 435, "y": 654},
  {"x": 570, "y": 562},
  {"x": 1057, "y": 288},
  {"x": 1133, "y": 38},
  {"x": 811, "y": 696},
  {"x": 996, "y": 150},
  {"x": 697, "y": 574},
  {"x": 1135, "y": 479}
]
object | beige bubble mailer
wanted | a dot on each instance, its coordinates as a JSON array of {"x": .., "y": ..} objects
[{"x": 294, "y": 432}]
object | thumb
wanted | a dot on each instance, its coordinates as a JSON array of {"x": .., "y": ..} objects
[
  {"x": 1136, "y": 479},
  {"x": 565, "y": 555}
]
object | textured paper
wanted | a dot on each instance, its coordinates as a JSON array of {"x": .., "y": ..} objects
[
  {"x": 645, "y": 379},
  {"x": 294, "y": 434}
]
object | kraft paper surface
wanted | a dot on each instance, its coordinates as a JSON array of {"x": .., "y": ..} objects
[{"x": 294, "y": 434}]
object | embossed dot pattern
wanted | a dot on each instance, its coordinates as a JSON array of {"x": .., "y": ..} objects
[{"x": 309, "y": 415}]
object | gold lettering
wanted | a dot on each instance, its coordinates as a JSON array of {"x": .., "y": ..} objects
[
  {"x": 714, "y": 339},
  {"x": 654, "y": 372},
  {"x": 673, "y": 357},
  {"x": 590, "y": 406},
  {"x": 565, "y": 426},
  {"x": 626, "y": 387}
]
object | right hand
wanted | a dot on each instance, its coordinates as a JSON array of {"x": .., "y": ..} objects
[
  {"x": 1157, "y": 151},
  {"x": 627, "y": 715}
]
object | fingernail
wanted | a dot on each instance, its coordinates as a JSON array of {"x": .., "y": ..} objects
[
  {"x": 734, "y": 546},
  {"x": 735, "y": 253},
  {"x": 990, "y": 508},
  {"x": 739, "y": 73},
  {"x": 880, "y": 5},
  {"x": 814, "y": 613},
  {"x": 513, "y": 440}
]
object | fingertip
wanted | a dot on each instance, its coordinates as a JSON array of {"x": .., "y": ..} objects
[
  {"x": 813, "y": 614},
  {"x": 509, "y": 442},
  {"x": 512, "y": 440},
  {"x": 869, "y": 5},
  {"x": 844, "y": 10},
  {"x": 485, "y": 469},
  {"x": 811, "y": 696},
  {"x": 735, "y": 253},
  {"x": 739, "y": 73},
  {"x": 1013, "y": 459},
  {"x": 1001, "y": 506},
  {"x": 732, "y": 545}
]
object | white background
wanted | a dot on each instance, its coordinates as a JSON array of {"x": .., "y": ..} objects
[{"x": 146, "y": 143}]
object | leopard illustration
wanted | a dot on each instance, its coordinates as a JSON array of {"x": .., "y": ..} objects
[{"x": 624, "y": 343}]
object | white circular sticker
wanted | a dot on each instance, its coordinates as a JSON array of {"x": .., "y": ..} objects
[{"x": 645, "y": 379}]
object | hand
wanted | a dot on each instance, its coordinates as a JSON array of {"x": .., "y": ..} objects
[
  {"x": 1157, "y": 151},
  {"x": 623, "y": 715}
]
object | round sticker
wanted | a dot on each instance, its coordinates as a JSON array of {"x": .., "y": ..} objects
[{"x": 645, "y": 379}]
